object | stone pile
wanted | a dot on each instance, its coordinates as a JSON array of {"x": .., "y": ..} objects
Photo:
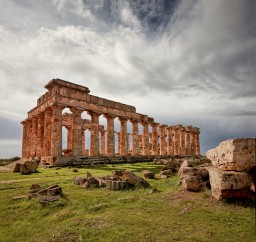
[
  {"x": 119, "y": 180},
  {"x": 233, "y": 171},
  {"x": 46, "y": 195},
  {"x": 26, "y": 167}
]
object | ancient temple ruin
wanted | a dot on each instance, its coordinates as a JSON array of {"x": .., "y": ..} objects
[{"x": 42, "y": 130}]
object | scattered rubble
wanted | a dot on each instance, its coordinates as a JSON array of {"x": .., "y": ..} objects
[
  {"x": 120, "y": 180},
  {"x": 46, "y": 195}
]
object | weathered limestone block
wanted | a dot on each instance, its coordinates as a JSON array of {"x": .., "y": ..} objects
[
  {"x": 79, "y": 180},
  {"x": 233, "y": 155},
  {"x": 116, "y": 185},
  {"x": 133, "y": 179},
  {"x": 193, "y": 178},
  {"x": 192, "y": 183},
  {"x": 194, "y": 171},
  {"x": 228, "y": 184}
]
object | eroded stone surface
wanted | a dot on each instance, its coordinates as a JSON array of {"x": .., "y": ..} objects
[
  {"x": 227, "y": 184},
  {"x": 233, "y": 155}
]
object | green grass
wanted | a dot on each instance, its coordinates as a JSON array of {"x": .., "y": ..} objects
[{"x": 133, "y": 215}]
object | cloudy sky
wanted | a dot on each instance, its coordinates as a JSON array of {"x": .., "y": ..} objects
[{"x": 180, "y": 62}]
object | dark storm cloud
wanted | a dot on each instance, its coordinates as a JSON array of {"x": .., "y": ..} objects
[{"x": 191, "y": 62}]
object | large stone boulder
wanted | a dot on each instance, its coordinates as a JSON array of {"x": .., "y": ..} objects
[
  {"x": 131, "y": 178},
  {"x": 26, "y": 167},
  {"x": 194, "y": 178},
  {"x": 229, "y": 184},
  {"x": 233, "y": 155}
]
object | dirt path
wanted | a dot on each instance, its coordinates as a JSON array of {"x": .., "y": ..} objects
[{"x": 18, "y": 180}]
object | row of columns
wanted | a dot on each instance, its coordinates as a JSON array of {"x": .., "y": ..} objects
[{"x": 42, "y": 136}]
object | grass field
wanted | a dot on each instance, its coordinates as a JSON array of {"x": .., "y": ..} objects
[{"x": 133, "y": 215}]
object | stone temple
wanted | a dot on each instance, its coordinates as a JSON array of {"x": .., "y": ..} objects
[{"x": 42, "y": 130}]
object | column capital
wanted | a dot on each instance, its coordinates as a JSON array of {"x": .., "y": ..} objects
[
  {"x": 123, "y": 119},
  {"x": 176, "y": 127},
  {"x": 153, "y": 124},
  {"x": 57, "y": 107},
  {"x": 76, "y": 111},
  {"x": 109, "y": 116},
  {"x": 196, "y": 130},
  {"x": 94, "y": 113},
  {"x": 134, "y": 121},
  {"x": 163, "y": 125},
  {"x": 188, "y": 128},
  {"x": 182, "y": 128}
]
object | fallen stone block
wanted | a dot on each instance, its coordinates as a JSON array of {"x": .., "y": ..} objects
[
  {"x": 192, "y": 183},
  {"x": 233, "y": 155},
  {"x": 228, "y": 184},
  {"x": 48, "y": 199}
]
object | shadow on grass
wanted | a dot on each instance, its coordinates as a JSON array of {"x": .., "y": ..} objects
[
  {"x": 133, "y": 167},
  {"x": 241, "y": 202}
]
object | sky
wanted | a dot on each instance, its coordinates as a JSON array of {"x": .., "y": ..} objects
[{"x": 178, "y": 61}]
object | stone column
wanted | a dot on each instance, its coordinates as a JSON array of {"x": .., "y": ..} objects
[
  {"x": 162, "y": 128},
  {"x": 102, "y": 142},
  {"x": 94, "y": 148},
  {"x": 175, "y": 140},
  {"x": 128, "y": 143},
  {"x": 40, "y": 135},
  {"x": 118, "y": 143},
  {"x": 83, "y": 142},
  {"x": 135, "y": 137},
  {"x": 24, "y": 138},
  {"x": 154, "y": 141},
  {"x": 69, "y": 137},
  {"x": 110, "y": 134},
  {"x": 197, "y": 141},
  {"x": 76, "y": 132},
  {"x": 145, "y": 139},
  {"x": 187, "y": 140},
  {"x": 123, "y": 136},
  {"x": 56, "y": 137},
  {"x": 47, "y": 131},
  {"x": 169, "y": 141},
  {"x": 34, "y": 137},
  {"x": 192, "y": 142},
  {"x": 182, "y": 141}
]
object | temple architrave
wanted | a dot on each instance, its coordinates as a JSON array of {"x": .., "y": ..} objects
[{"x": 42, "y": 130}]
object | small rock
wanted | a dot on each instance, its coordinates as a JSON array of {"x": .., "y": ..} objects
[
  {"x": 19, "y": 197},
  {"x": 148, "y": 174},
  {"x": 167, "y": 173},
  {"x": 79, "y": 180},
  {"x": 48, "y": 199},
  {"x": 163, "y": 176}
]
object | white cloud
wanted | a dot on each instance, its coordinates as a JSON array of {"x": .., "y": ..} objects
[{"x": 201, "y": 64}]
